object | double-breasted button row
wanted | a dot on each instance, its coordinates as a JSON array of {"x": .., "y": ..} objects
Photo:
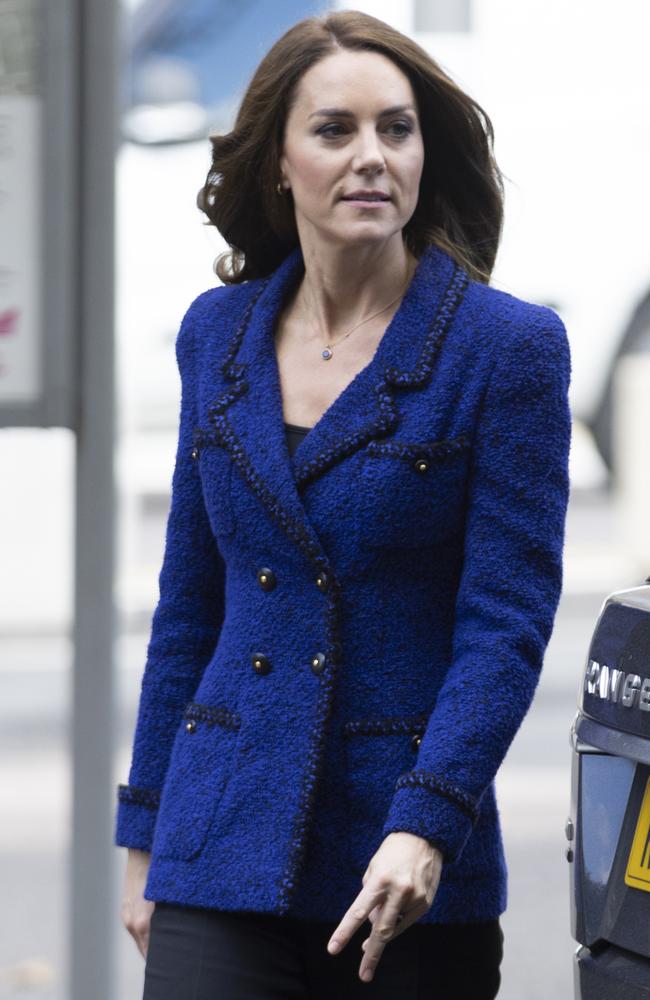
[
  {"x": 267, "y": 579},
  {"x": 262, "y": 664}
]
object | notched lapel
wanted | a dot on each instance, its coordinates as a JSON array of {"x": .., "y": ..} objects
[
  {"x": 367, "y": 409},
  {"x": 247, "y": 418}
]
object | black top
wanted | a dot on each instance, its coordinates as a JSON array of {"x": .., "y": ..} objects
[{"x": 295, "y": 434}]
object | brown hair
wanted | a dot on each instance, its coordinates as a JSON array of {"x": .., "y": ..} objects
[{"x": 460, "y": 204}]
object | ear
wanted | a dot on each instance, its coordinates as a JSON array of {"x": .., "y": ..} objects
[{"x": 283, "y": 167}]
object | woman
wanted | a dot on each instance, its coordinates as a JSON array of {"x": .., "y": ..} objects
[{"x": 352, "y": 617}]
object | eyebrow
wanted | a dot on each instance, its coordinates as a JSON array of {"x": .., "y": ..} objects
[{"x": 344, "y": 113}]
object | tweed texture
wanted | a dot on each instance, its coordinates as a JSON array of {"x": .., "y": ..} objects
[{"x": 348, "y": 638}]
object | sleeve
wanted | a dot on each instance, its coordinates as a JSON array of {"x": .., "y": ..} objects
[
  {"x": 185, "y": 625},
  {"x": 508, "y": 592}
]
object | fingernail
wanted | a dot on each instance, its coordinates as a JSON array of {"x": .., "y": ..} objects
[
  {"x": 334, "y": 946},
  {"x": 367, "y": 976}
]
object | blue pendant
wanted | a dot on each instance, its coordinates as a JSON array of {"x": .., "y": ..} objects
[{"x": 326, "y": 354}]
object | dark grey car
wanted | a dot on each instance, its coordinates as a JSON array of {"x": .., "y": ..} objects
[{"x": 609, "y": 825}]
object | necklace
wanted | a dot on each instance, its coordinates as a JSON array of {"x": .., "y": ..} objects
[{"x": 328, "y": 353}]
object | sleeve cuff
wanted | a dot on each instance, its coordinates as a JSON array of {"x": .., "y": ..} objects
[
  {"x": 137, "y": 810},
  {"x": 434, "y": 809}
]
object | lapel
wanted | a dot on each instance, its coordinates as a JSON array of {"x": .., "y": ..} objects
[{"x": 247, "y": 418}]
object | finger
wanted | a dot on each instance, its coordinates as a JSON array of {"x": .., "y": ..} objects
[
  {"x": 383, "y": 931},
  {"x": 400, "y": 927},
  {"x": 375, "y": 913},
  {"x": 353, "y": 918},
  {"x": 143, "y": 940}
]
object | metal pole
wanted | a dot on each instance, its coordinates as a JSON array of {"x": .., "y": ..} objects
[{"x": 92, "y": 906}]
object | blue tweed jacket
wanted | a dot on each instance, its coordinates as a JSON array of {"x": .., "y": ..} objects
[{"x": 347, "y": 641}]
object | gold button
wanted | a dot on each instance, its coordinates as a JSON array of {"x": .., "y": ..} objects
[
  {"x": 421, "y": 464},
  {"x": 261, "y": 663},
  {"x": 190, "y": 726},
  {"x": 195, "y": 452},
  {"x": 415, "y": 741},
  {"x": 318, "y": 663},
  {"x": 266, "y": 578}
]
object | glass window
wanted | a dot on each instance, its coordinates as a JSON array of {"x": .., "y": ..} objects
[{"x": 442, "y": 15}]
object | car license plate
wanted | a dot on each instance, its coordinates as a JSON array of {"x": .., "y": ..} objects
[{"x": 637, "y": 873}]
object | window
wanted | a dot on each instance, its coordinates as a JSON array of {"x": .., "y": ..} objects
[{"x": 442, "y": 15}]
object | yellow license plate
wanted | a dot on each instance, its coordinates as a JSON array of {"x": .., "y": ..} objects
[{"x": 637, "y": 873}]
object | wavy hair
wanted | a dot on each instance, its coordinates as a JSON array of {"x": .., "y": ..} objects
[{"x": 460, "y": 204}]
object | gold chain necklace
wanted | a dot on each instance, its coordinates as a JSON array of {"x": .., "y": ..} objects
[{"x": 328, "y": 353}]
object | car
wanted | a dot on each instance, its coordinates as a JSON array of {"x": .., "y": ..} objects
[{"x": 608, "y": 828}]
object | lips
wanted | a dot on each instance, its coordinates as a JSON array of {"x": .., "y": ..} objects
[{"x": 366, "y": 196}]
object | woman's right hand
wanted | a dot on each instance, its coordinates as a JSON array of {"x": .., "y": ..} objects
[{"x": 136, "y": 910}]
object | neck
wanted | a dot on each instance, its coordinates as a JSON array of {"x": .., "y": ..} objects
[{"x": 342, "y": 286}]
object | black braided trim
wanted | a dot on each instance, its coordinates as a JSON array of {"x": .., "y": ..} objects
[
  {"x": 213, "y": 715},
  {"x": 200, "y": 438},
  {"x": 314, "y": 763},
  {"x": 316, "y": 757},
  {"x": 381, "y": 727},
  {"x": 452, "y": 299},
  {"x": 426, "y": 779},
  {"x": 347, "y": 444},
  {"x": 388, "y": 412},
  {"x": 438, "y": 450},
  {"x": 139, "y": 796},
  {"x": 230, "y": 369},
  {"x": 225, "y": 433}
]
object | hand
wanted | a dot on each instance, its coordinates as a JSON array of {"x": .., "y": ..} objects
[
  {"x": 136, "y": 910},
  {"x": 402, "y": 878}
]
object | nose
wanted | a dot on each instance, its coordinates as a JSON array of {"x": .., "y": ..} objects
[{"x": 368, "y": 155}]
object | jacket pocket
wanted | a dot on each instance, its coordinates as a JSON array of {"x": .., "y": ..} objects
[
  {"x": 377, "y": 751},
  {"x": 215, "y": 469},
  {"x": 414, "y": 493},
  {"x": 199, "y": 768}
]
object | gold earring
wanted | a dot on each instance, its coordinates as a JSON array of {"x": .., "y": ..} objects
[{"x": 279, "y": 188}]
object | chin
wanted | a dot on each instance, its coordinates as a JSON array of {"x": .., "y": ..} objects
[{"x": 364, "y": 233}]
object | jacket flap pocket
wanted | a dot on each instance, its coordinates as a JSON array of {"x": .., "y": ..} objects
[{"x": 200, "y": 765}]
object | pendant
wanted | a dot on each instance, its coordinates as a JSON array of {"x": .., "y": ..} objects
[{"x": 326, "y": 354}]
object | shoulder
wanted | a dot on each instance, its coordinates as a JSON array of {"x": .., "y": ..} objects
[
  {"x": 514, "y": 332},
  {"x": 209, "y": 308},
  {"x": 219, "y": 300},
  {"x": 515, "y": 316}
]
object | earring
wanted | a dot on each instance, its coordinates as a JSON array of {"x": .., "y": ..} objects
[{"x": 279, "y": 188}]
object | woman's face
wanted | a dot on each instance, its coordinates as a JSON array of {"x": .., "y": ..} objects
[{"x": 353, "y": 127}]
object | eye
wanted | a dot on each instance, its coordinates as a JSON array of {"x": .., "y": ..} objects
[
  {"x": 406, "y": 126},
  {"x": 326, "y": 129},
  {"x": 403, "y": 129}
]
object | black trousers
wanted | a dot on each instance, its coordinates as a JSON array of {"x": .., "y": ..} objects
[{"x": 206, "y": 954}]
